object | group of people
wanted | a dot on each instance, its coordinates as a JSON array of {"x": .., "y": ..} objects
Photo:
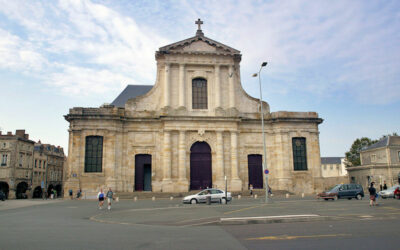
[
  {"x": 78, "y": 194},
  {"x": 101, "y": 197}
]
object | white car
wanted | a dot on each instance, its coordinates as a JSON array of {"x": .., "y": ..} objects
[
  {"x": 216, "y": 195},
  {"x": 388, "y": 193}
]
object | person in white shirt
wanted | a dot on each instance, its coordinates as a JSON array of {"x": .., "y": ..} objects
[{"x": 100, "y": 197}]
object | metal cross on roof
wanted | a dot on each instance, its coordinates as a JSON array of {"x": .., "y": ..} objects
[{"x": 199, "y": 23}]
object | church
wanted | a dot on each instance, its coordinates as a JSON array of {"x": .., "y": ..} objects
[{"x": 192, "y": 129}]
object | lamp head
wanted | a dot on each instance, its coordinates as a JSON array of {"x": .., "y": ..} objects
[{"x": 264, "y": 64}]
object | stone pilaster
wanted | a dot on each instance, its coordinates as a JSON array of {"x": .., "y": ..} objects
[
  {"x": 236, "y": 183},
  {"x": 167, "y": 86},
  {"x": 167, "y": 182},
  {"x": 217, "y": 87},
  {"x": 183, "y": 184},
  {"x": 232, "y": 97},
  {"x": 182, "y": 89},
  {"x": 219, "y": 170}
]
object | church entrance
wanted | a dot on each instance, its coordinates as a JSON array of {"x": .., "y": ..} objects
[
  {"x": 200, "y": 166},
  {"x": 255, "y": 171},
  {"x": 142, "y": 172}
]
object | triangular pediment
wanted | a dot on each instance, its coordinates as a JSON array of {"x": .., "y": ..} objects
[{"x": 199, "y": 44}]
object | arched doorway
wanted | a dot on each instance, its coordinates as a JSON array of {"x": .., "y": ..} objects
[
  {"x": 5, "y": 188},
  {"x": 142, "y": 172},
  {"x": 21, "y": 190},
  {"x": 200, "y": 166},
  {"x": 50, "y": 190},
  {"x": 255, "y": 171},
  {"x": 37, "y": 192}
]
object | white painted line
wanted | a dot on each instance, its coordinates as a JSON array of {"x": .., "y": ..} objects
[{"x": 270, "y": 217}]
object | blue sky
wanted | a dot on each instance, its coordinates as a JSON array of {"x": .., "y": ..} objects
[{"x": 338, "y": 58}]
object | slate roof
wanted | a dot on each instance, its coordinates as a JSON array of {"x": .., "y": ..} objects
[
  {"x": 382, "y": 143},
  {"x": 331, "y": 160},
  {"x": 131, "y": 91}
]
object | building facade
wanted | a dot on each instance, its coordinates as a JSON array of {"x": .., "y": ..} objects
[
  {"x": 16, "y": 152},
  {"x": 380, "y": 163},
  {"x": 195, "y": 127},
  {"x": 47, "y": 170},
  {"x": 333, "y": 167}
]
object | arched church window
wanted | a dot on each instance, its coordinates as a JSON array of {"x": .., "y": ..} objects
[
  {"x": 93, "y": 154},
  {"x": 199, "y": 93},
  {"x": 299, "y": 153}
]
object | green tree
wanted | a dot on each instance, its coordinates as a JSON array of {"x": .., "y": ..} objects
[
  {"x": 353, "y": 155},
  {"x": 393, "y": 134}
]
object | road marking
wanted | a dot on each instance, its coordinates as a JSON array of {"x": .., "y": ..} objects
[
  {"x": 270, "y": 217},
  {"x": 243, "y": 209},
  {"x": 292, "y": 237}
]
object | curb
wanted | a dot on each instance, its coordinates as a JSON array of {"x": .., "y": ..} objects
[{"x": 273, "y": 219}]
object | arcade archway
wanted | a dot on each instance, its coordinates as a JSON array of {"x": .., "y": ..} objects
[
  {"x": 5, "y": 188},
  {"x": 21, "y": 190}
]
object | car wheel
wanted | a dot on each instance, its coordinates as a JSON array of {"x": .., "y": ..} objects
[
  {"x": 359, "y": 197},
  {"x": 222, "y": 201},
  {"x": 326, "y": 199},
  {"x": 193, "y": 201},
  {"x": 349, "y": 198},
  {"x": 335, "y": 198}
]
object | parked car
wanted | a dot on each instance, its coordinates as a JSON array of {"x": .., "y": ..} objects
[
  {"x": 217, "y": 195},
  {"x": 388, "y": 193},
  {"x": 397, "y": 193},
  {"x": 339, "y": 191},
  {"x": 2, "y": 195}
]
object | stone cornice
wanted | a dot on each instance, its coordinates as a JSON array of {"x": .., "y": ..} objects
[{"x": 372, "y": 167}]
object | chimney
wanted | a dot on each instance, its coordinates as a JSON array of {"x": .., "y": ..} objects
[
  {"x": 20, "y": 132},
  {"x": 26, "y": 136},
  {"x": 0, "y": 132},
  {"x": 9, "y": 133}
]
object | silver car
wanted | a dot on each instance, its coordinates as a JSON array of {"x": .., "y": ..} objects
[
  {"x": 217, "y": 195},
  {"x": 388, "y": 193}
]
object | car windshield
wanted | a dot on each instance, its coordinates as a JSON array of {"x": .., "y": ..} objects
[
  {"x": 393, "y": 188},
  {"x": 335, "y": 188}
]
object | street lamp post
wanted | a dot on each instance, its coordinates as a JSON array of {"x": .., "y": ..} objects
[{"x": 263, "y": 133}]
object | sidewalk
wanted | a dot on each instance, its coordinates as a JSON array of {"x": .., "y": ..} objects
[{"x": 12, "y": 204}]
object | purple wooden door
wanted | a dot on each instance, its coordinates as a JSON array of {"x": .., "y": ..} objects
[
  {"x": 255, "y": 171},
  {"x": 200, "y": 166},
  {"x": 140, "y": 162}
]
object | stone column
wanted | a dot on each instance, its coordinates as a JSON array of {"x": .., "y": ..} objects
[
  {"x": 217, "y": 87},
  {"x": 167, "y": 85},
  {"x": 167, "y": 183},
  {"x": 182, "y": 90},
  {"x": 220, "y": 181},
  {"x": 183, "y": 181},
  {"x": 236, "y": 183},
  {"x": 231, "y": 87}
]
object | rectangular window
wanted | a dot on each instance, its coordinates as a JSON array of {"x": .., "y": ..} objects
[
  {"x": 199, "y": 94},
  {"x": 93, "y": 154},
  {"x": 299, "y": 153},
  {"x": 373, "y": 158},
  {"x": 35, "y": 163},
  {"x": 20, "y": 160},
  {"x": 40, "y": 164},
  {"x": 4, "y": 160}
]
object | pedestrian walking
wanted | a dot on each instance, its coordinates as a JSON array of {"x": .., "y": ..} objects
[
  {"x": 372, "y": 195},
  {"x": 71, "y": 194},
  {"x": 109, "y": 197},
  {"x": 384, "y": 186},
  {"x": 251, "y": 189},
  {"x": 79, "y": 194},
  {"x": 100, "y": 197}
]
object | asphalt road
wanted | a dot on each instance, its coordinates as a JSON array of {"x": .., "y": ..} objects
[{"x": 168, "y": 224}]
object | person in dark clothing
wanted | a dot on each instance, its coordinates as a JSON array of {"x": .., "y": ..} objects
[
  {"x": 384, "y": 186},
  {"x": 372, "y": 195}
]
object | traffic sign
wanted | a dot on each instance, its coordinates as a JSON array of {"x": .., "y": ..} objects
[{"x": 266, "y": 171}]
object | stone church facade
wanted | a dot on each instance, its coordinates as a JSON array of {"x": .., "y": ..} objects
[{"x": 195, "y": 126}]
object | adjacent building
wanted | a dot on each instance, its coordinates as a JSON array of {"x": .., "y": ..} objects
[
  {"x": 29, "y": 169},
  {"x": 16, "y": 152},
  {"x": 380, "y": 163},
  {"x": 192, "y": 129},
  {"x": 333, "y": 167},
  {"x": 48, "y": 169}
]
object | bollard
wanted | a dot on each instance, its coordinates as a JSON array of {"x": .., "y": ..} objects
[
  {"x": 302, "y": 195},
  {"x": 171, "y": 198},
  {"x": 135, "y": 198},
  {"x": 287, "y": 196},
  {"x": 239, "y": 196},
  {"x": 208, "y": 199},
  {"x": 153, "y": 198},
  {"x": 255, "y": 196}
]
